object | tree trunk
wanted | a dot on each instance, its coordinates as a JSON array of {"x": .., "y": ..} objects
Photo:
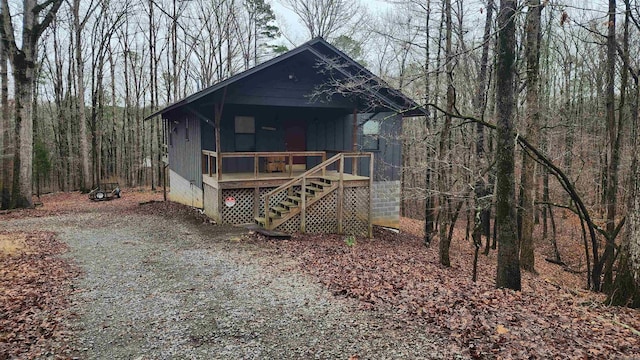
[
  {"x": 528, "y": 179},
  {"x": 613, "y": 156},
  {"x": 625, "y": 290},
  {"x": 82, "y": 118},
  {"x": 508, "y": 269},
  {"x": 23, "y": 141},
  {"x": 445, "y": 210},
  {"x": 481, "y": 201},
  {"x": 429, "y": 201},
  {"x": 5, "y": 179},
  {"x": 23, "y": 61}
]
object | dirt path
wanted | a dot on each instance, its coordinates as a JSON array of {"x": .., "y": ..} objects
[{"x": 159, "y": 288}]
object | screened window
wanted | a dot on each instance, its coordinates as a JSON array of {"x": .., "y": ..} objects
[
  {"x": 371, "y": 135},
  {"x": 245, "y": 133}
]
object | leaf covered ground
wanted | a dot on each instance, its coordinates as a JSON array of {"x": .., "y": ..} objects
[
  {"x": 551, "y": 318},
  {"x": 36, "y": 279},
  {"x": 35, "y": 285}
]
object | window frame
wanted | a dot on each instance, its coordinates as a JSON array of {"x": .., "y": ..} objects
[
  {"x": 244, "y": 127},
  {"x": 371, "y": 139}
]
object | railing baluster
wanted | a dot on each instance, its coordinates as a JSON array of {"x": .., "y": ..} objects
[
  {"x": 303, "y": 205},
  {"x": 255, "y": 166},
  {"x": 370, "y": 195},
  {"x": 267, "y": 224},
  {"x": 290, "y": 164},
  {"x": 340, "y": 195}
]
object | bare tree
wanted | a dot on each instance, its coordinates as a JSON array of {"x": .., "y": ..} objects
[
  {"x": 35, "y": 19},
  {"x": 626, "y": 287},
  {"x": 326, "y": 18},
  {"x": 445, "y": 212},
  {"x": 79, "y": 25},
  {"x": 528, "y": 182},
  {"x": 481, "y": 215},
  {"x": 508, "y": 275},
  {"x": 4, "y": 128}
]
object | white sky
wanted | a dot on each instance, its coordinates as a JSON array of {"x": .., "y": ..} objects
[{"x": 290, "y": 25}]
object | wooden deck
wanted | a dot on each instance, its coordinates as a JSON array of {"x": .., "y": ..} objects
[{"x": 273, "y": 179}]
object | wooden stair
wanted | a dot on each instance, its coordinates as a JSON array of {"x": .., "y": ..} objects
[{"x": 315, "y": 190}]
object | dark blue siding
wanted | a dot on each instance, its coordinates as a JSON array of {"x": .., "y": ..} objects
[{"x": 387, "y": 159}]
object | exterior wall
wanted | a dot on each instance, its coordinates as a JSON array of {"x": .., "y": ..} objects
[
  {"x": 183, "y": 191},
  {"x": 325, "y": 130},
  {"x": 185, "y": 151},
  {"x": 386, "y": 203},
  {"x": 287, "y": 83},
  {"x": 211, "y": 203},
  {"x": 388, "y": 157}
]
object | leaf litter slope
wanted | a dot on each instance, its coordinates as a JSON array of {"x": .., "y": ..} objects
[
  {"x": 547, "y": 320},
  {"x": 35, "y": 285}
]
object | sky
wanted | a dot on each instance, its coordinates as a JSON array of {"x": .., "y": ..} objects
[{"x": 290, "y": 25}]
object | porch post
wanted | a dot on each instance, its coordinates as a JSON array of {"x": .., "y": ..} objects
[
  {"x": 303, "y": 206},
  {"x": 370, "y": 195},
  {"x": 218, "y": 115},
  {"x": 354, "y": 139},
  {"x": 341, "y": 196}
]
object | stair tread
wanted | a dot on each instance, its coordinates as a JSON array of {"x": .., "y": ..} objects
[
  {"x": 289, "y": 204},
  {"x": 280, "y": 209},
  {"x": 320, "y": 183}
]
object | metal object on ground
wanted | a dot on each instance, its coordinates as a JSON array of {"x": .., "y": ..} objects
[{"x": 106, "y": 191}]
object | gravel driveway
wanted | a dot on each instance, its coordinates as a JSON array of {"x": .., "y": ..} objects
[{"x": 159, "y": 288}]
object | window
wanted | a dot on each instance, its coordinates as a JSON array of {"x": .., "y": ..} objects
[
  {"x": 371, "y": 133},
  {"x": 245, "y": 133}
]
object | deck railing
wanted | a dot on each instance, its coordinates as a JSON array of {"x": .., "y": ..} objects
[
  {"x": 316, "y": 172},
  {"x": 212, "y": 166}
]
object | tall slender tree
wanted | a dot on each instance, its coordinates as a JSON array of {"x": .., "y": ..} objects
[
  {"x": 4, "y": 128},
  {"x": 508, "y": 270},
  {"x": 79, "y": 24},
  {"x": 481, "y": 191},
  {"x": 528, "y": 181}
]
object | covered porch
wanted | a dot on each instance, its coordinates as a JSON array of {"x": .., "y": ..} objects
[{"x": 304, "y": 191}]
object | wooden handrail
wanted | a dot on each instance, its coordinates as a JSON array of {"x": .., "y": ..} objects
[
  {"x": 305, "y": 174},
  {"x": 256, "y": 157},
  {"x": 303, "y": 177},
  {"x": 271, "y": 153}
]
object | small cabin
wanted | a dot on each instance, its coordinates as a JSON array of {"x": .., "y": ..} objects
[{"x": 306, "y": 142}]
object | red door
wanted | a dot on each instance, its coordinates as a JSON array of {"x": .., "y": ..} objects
[{"x": 295, "y": 139}]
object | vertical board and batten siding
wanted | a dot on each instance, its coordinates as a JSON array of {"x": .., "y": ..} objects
[
  {"x": 325, "y": 130},
  {"x": 185, "y": 156},
  {"x": 385, "y": 204},
  {"x": 388, "y": 157},
  {"x": 290, "y": 83},
  {"x": 330, "y": 134}
]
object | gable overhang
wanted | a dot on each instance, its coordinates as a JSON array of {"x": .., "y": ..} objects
[{"x": 373, "y": 88}]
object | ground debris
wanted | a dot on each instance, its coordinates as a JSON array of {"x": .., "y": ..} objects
[
  {"x": 35, "y": 284},
  {"x": 396, "y": 271}
]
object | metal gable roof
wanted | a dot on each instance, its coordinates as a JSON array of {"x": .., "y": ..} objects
[{"x": 394, "y": 99}]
